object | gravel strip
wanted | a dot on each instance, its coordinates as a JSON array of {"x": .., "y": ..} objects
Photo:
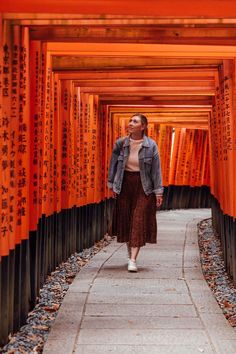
[
  {"x": 213, "y": 268},
  {"x": 32, "y": 336}
]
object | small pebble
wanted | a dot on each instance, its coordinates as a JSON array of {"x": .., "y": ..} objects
[{"x": 213, "y": 268}]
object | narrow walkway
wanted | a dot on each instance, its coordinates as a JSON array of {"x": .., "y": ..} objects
[{"x": 167, "y": 307}]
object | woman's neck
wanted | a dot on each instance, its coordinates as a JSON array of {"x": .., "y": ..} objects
[{"x": 136, "y": 136}]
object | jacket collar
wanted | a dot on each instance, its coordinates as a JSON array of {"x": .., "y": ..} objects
[
  {"x": 145, "y": 141},
  {"x": 144, "y": 144}
]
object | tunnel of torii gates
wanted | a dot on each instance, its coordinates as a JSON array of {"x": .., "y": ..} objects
[{"x": 69, "y": 81}]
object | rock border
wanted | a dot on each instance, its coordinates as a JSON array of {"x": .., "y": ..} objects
[{"x": 213, "y": 268}]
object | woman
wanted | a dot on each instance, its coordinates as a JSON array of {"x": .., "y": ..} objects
[{"x": 135, "y": 178}]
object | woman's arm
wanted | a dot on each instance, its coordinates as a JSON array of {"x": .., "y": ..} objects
[
  {"x": 156, "y": 173},
  {"x": 113, "y": 162}
]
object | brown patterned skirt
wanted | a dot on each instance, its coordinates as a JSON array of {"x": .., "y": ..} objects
[{"x": 134, "y": 218}]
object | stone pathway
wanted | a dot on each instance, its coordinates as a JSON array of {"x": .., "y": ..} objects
[{"x": 167, "y": 307}]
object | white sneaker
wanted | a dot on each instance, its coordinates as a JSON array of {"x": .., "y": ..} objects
[{"x": 132, "y": 267}]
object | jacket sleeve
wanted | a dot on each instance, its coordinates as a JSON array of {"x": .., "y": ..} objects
[
  {"x": 113, "y": 162},
  {"x": 156, "y": 172}
]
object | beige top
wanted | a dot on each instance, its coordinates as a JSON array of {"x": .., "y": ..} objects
[{"x": 132, "y": 163}]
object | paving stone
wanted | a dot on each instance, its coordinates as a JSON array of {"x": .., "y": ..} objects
[
  {"x": 141, "y": 322},
  {"x": 205, "y": 303},
  {"x": 161, "y": 261},
  {"x": 143, "y": 336},
  {"x": 72, "y": 301},
  {"x": 146, "y": 263},
  {"x": 194, "y": 263},
  {"x": 158, "y": 298},
  {"x": 87, "y": 273},
  {"x": 69, "y": 317},
  {"x": 55, "y": 346},
  {"x": 142, "y": 286},
  {"x": 135, "y": 349},
  {"x": 199, "y": 286},
  {"x": 160, "y": 252},
  {"x": 193, "y": 274},
  {"x": 81, "y": 285},
  {"x": 140, "y": 310},
  {"x": 218, "y": 326},
  {"x": 225, "y": 346},
  {"x": 67, "y": 323},
  {"x": 145, "y": 272}
]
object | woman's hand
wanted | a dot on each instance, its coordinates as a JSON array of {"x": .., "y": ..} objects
[
  {"x": 159, "y": 200},
  {"x": 114, "y": 195}
]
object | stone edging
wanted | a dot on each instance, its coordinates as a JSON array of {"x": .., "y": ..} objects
[{"x": 214, "y": 271}]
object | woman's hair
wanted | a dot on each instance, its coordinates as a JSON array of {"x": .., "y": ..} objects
[{"x": 144, "y": 121}]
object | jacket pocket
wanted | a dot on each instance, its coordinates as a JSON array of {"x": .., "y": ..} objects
[
  {"x": 147, "y": 167},
  {"x": 148, "y": 160}
]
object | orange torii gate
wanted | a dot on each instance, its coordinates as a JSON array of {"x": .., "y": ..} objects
[{"x": 63, "y": 104}]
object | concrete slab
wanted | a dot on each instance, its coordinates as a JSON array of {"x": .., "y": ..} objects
[
  {"x": 87, "y": 273},
  {"x": 205, "y": 303},
  {"x": 81, "y": 285},
  {"x": 199, "y": 286},
  {"x": 134, "y": 288},
  {"x": 55, "y": 346},
  {"x": 218, "y": 326},
  {"x": 193, "y": 274},
  {"x": 157, "y": 284},
  {"x": 69, "y": 317},
  {"x": 140, "y": 310},
  {"x": 145, "y": 272},
  {"x": 157, "y": 298},
  {"x": 225, "y": 346},
  {"x": 135, "y": 349},
  {"x": 141, "y": 322},
  {"x": 143, "y": 336},
  {"x": 167, "y": 307},
  {"x": 167, "y": 262}
]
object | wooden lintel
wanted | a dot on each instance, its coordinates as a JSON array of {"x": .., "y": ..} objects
[
  {"x": 105, "y": 63},
  {"x": 169, "y": 115},
  {"x": 162, "y": 98},
  {"x": 165, "y": 84},
  {"x": 135, "y": 34},
  {"x": 141, "y": 49},
  {"x": 138, "y": 102},
  {"x": 154, "y": 91},
  {"x": 78, "y": 19},
  {"x": 164, "y": 115},
  {"x": 161, "y": 108},
  {"x": 160, "y": 8},
  {"x": 193, "y": 73}
]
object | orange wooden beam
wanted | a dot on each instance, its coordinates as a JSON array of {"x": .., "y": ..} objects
[
  {"x": 142, "y": 50},
  {"x": 179, "y": 8},
  {"x": 154, "y": 91},
  {"x": 161, "y": 74}
]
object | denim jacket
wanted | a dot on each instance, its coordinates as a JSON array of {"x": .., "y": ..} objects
[{"x": 149, "y": 164}]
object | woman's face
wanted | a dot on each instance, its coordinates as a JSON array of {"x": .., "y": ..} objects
[{"x": 135, "y": 125}]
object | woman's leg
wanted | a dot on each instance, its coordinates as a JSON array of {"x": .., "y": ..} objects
[
  {"x": 128, "y": 250},
  {"x": 134, "y": 253}
]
